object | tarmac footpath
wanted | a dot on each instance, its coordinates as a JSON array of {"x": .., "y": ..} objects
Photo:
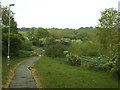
[{"x": 23, "y": 75}]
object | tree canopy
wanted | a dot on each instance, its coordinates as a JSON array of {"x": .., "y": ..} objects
[
  {"x": 108, "y": 18},
  {"x": 16, "y": 39},
  {"x": 5, "y": 21}
]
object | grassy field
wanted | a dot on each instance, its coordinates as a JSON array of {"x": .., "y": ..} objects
[
  {"x": 7, "y": 72},
  {"x": 56, "y": 74}
]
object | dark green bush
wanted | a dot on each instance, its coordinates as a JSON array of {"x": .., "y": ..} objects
[
  {"x": 55, "y": 50},
  {"x": 23, "y": 53},
  {"x": 27, "y": 45},
  {"x": 49, "y": 41}
]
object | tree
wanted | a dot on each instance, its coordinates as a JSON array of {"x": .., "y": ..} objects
[
  {"x": 30, "y": 35},
  {"x": 16, "y": 43},
  {"x": 38, "y": 34},
  {"x": 82, "y": 35},
  {"x": 107, "y": 27},
  {"x": 108, "y": 36},
  {"x": 55, "y": 50},
  {"x": 16, "y": 39},
  {"x": 5, "y": 21},
  {"x": 108, "y": 18}
]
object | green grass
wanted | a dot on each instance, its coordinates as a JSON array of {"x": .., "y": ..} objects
[
  {"x": 56, "y": 74},
  {"x": 6, "y": 70}
]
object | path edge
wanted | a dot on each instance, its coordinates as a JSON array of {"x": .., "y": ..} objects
[
  {"x": 33, "y": 70},
  {"x": 13, "y": 74}
]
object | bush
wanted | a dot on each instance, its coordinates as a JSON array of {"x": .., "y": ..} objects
[
  {"x": 55, "y": 50},
  {"x": 23, "y": 53},
  {"x": 49, "y": 41},
  {"x": 27, "y": 45},
  {"x": 87, "y": 48},
  {"x": 16, "y": 43},
  {"x": 72, "y": 59}
]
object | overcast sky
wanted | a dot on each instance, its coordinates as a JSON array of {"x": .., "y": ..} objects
[{"x": 59, "y": 13}]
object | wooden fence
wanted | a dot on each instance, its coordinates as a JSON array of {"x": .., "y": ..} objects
[{"x": 90, "y": 60}]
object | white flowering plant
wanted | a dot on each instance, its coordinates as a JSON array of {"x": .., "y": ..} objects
[{"x": 73, "y": 60}]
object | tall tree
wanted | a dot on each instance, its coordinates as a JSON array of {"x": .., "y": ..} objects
[
  {"x": 108, "y": 26},
  {"x": 16, "y": 40},
  {"x": 5, "y": 21},
  {"x": 108, "y": 18},
  {"x": 39, "y": 33}
]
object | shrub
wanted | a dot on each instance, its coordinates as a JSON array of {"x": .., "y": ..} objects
[
  {"x": 23, "y": 53},
  {"x": 108, "y": 64},
  {"x": 87, "y": 48},
  {"x": 49, "y": 41},
  {"x": 27, "y": 45},
  {"x": 55, "y": 50},
  {"x": 72, "y": 59}
]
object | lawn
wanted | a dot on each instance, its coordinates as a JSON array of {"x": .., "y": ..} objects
[
  {"x": 7, "y": 72},
  {"x": 53, "y": 73}
]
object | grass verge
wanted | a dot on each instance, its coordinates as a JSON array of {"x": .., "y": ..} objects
[{"x": 52, "y": 73}]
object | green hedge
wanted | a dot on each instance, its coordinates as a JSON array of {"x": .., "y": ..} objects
[{"x": 55, "y": 50}]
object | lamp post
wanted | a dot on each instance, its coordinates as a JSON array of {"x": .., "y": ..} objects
[
  {"x": 8, "y": 57},
  {"x": 118, "y": 42}
]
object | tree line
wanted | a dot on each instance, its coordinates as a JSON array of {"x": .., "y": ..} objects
[{"x": 33, "y": 28}]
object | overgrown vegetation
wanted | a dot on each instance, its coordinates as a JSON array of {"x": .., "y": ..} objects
[
  {"x": 90, "y": 42},
  {"x": 20, "y": 47},
  {"x": 100, "y": 43},
  {"x": 18, "y": 43},
  {"x": 53, "y": 73}
]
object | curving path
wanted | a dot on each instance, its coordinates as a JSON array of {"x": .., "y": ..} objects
[{"x": 23, "y": 76}]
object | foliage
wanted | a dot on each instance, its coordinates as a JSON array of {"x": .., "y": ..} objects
[
  {"x": 30, "y": 35},
  {"x": 5, "y": 21},
  {"x": 56, "y": 74},
  {"x": 26, "y": 29},
  {"x": 27, "y": 45},
  {"x": 108, "y": 18},
  {"x": 16, "y": 43},
  {"x": 24, "y": 53},
  {"x": 38, "y": 34},
  {"x": 62, "y": 33},
  {"x": 16, "y": 39},
  {"x": 72, "y": 59},
  {"x": 82, "y": 35},
  {"x": 108, "y": 37},
  {"x": 63, "y": 41},
  {"x": 108, "y": 34},
  {"x": 109, "y": 64},
  {"x": 51, "y": 40},
  {"x": 48, "y": 41},
  {"x": 87, "y": 48},
  {"x": 55, "y": 50}
]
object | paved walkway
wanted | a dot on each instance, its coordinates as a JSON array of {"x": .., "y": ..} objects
[{"x": 23, "y": 76}]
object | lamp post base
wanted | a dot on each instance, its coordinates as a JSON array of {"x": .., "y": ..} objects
[{"x": 8, "y": 60}]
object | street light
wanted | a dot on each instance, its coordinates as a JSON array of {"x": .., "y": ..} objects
[{"x": 8, "y": 57}]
